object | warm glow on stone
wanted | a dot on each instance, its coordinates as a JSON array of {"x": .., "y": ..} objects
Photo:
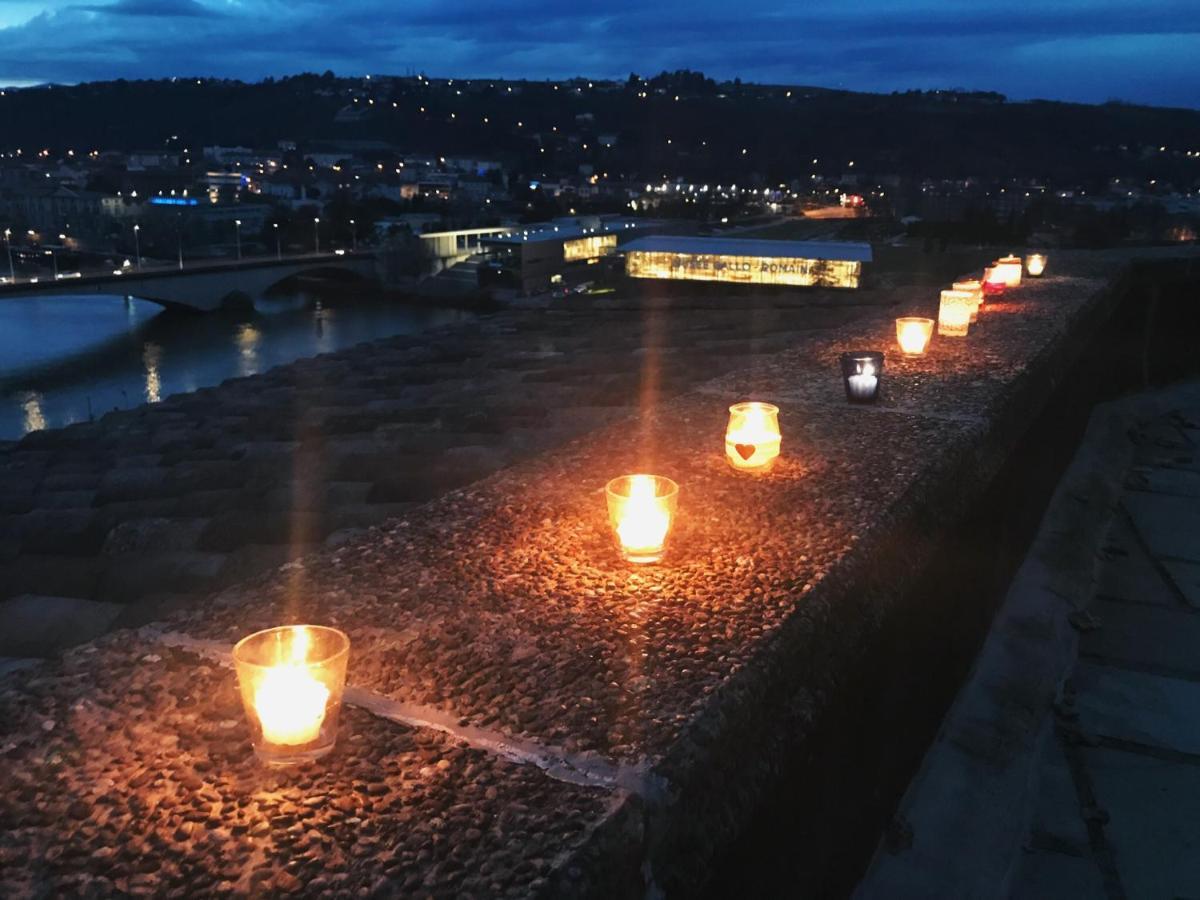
[
  {"x": 913, "y": 334},
  {"x": 641, "y": 510},
  {"x": 752, "y": 438}
]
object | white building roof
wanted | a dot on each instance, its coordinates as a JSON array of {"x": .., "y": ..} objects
[
  {"x": 756, "y": 247},
  {"x": 548, "y": 231}
]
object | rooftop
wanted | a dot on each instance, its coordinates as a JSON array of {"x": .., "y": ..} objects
[
  {"x": 752, "y": 247},
  {"x": 549, "y": 231}
]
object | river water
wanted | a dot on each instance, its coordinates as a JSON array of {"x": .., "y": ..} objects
[{"x": 68, "y": 359}]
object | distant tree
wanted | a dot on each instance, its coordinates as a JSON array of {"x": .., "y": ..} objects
[{"x": 822, "y": 273}]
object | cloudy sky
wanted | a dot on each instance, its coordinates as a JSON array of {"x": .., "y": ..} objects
[{"x": 1089, "y": 50}]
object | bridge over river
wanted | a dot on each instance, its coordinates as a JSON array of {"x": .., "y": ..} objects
[{"x": 202, "y": 286}]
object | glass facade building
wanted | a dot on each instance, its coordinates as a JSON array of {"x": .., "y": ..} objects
[
  {"x": 591, "y": 247},
  {"x": 747, "y": 261}
]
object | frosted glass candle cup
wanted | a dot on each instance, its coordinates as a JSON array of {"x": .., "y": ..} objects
[
  {"x": 752, "y": 438},
  {"x": 994, "y": 282},
  {"x": 954, "y": 313},
  {"x": 974, "y": 287},
  {"x": 641, "y": 511},
  {"x": 1008, "y": 270},
  {"x": 291, "y": 679},
  {"x": 913, "y": 334}
]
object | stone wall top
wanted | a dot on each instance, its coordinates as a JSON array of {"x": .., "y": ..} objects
[{"x": 534, "y": 712}]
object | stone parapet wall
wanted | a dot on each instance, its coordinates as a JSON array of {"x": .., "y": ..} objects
[{"x": 533, "y": 717}]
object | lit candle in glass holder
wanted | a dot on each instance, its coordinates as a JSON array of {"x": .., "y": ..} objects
[
  {"x": 291, "y": 680},
  {"x": 913, "y": 334},
  {"x": 1035, "y": 264},
  {"x": 1008, "y": 270},
  {"x": 994, "y": 282},
  {"x": 752, "y": 437},
  {"x": 641, "y": 510},
  {"x": 861, "y": 373},
  {"x": 954, "y": 313},
  {"x": 974, "y": 287}
]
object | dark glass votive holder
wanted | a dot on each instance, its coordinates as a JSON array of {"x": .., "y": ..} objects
[{"x": 861, "y": 373}]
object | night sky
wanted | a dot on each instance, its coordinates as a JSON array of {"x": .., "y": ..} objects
[{"x": 1089, "y": 50}]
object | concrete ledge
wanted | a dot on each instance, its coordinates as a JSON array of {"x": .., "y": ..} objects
[{"x": 630, "y": 720}]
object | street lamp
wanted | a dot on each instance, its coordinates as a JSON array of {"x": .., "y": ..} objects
[
  {"x": 278, "y": 246},
  {"x": 237, "y": 230},
  {"x": 353, "y": 237},
  {"x": 317, "y": 235},
  {"x": 137, "y": 245},
  {"x": 53, "y": 262},
  {"x": 12, "y": 272}
]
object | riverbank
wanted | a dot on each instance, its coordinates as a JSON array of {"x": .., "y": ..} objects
[{"x": 73, "y": 359}]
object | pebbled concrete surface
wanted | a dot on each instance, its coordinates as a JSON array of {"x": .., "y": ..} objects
[
  {"x": 627, "y": 720},
  {"x": 157, "y": 507}
]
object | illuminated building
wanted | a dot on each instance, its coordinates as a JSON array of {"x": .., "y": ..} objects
[
  {"x": 591, "y": 247},
  {"x": 537, "y": 256},
  {"x": 734, "y": 260}
]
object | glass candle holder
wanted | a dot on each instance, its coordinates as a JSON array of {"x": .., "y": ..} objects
[
  {"x": 913, "y": 334},
  {"x": 752, "y": 438},
  {"x": 1008, "y": 270},
  {"x": 974, "y": 287},
  {"x": 641, "y": 510},
  {"x": 954, "y": 313},
  {"x": 1035, "y": 264},
  {"x": 291, "y": 680},
  {"x": 861, "y": 373},
  {"x": 993, "y": 282}
]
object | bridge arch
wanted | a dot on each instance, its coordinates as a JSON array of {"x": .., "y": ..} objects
[{"x": 202, "y": 287}]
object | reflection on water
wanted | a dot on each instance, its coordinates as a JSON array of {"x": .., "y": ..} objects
[
  {"x": 71, "y": 359},
  {"x": 31, "y": 406},
  {"x": 151, "y": 354},
  {"x": 247, "y": 339}
]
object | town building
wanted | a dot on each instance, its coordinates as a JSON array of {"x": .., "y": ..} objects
[
  {"x": 535, "y": 257},
  {"x": 735, "y": 260}
]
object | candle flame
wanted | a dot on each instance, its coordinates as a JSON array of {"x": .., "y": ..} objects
[
  {"x": 868, "y": 368},
  {"x": 913, "y": 337},
  {"x": 291, "y": 703},
  {"x": 645, "y": 520}
]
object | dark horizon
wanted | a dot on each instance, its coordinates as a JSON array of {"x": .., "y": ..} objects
[
  {"x": 1085, "y": 51},
  {"x": 441, "y": 77}
]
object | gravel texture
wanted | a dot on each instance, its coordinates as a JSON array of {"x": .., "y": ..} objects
[
  {"x": 505, "y": 604},
  {"x": 500, "y": 612},
  {"x": 157, "y": 507},
  {"x": 143, "y": 782}
]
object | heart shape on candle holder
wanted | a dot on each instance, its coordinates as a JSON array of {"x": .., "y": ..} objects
[{"x": 745, "y": 451}]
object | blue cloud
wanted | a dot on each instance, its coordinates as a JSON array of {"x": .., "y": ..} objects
[
  {"x": 152, "y": 8},
  {"x": 1089, "y": 50}
]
